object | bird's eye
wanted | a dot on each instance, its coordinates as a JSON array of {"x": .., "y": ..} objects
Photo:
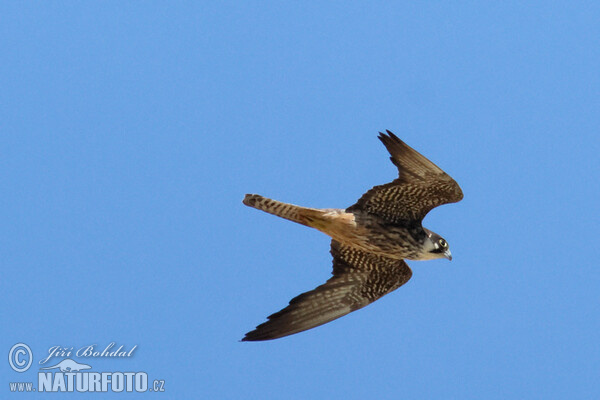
[{"x": 443, "y": 243}]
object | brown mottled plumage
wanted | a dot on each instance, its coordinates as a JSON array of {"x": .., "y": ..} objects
[{"x": 371, "y": 239}]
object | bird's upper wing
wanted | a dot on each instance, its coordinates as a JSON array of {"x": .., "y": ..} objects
[
  {"x": 359, "y": 278},
  {"x": 421, "y": 186}
]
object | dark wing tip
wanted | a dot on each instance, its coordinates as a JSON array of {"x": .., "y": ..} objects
[
  {"x": 393, "y": 143},
  {"x": 249, "y": 338},
  {"x": 263, "y": 331},
  {"x": 389, "y": 138},
  {"x": 255, "y": 336},
  {"x": 392, "y": 136},
  {"x": 271, "y": 329},
  {"x": 396, "y": 147},
  {"x": 407, "y": 159}
]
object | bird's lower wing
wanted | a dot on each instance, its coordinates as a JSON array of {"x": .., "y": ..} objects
[{"x": 359, "y": 278}]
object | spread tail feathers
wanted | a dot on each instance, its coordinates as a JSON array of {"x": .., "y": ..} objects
[{"x": 312, "y": 217}]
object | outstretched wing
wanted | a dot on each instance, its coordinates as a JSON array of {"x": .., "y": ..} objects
[
  {"x": 421, "y": 186},
  {"x": 359, "y": 278}
]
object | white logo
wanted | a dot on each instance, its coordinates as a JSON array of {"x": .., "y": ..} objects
[
  {"x": 15, "y": 360},
  {"x": 71, "y": 379},
  {"x": 68, "y": 365},
  {"x": 69, "y": 375}
]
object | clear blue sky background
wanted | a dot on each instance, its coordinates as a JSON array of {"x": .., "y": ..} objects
[{"x": 130, "y": 133}]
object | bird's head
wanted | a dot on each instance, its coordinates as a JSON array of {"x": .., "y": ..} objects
[{"x": 436, "y": 246}]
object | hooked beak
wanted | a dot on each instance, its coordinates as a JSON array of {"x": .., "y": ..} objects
[{"x": 448, "y": 255}]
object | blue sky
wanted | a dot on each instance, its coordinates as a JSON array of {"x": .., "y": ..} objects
[{"x": 131, "y": 132}]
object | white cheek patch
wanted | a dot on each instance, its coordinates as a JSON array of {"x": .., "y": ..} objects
[{"x": 429, "y": 245}]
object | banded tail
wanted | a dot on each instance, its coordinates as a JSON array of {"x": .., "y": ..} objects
[{"x": 312, "y": 217}]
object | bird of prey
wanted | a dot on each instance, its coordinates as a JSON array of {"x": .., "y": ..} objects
[{"x": 370, "y": 241}]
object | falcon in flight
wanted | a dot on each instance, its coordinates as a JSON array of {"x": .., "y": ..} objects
[{"x": 370, "y": 241}]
